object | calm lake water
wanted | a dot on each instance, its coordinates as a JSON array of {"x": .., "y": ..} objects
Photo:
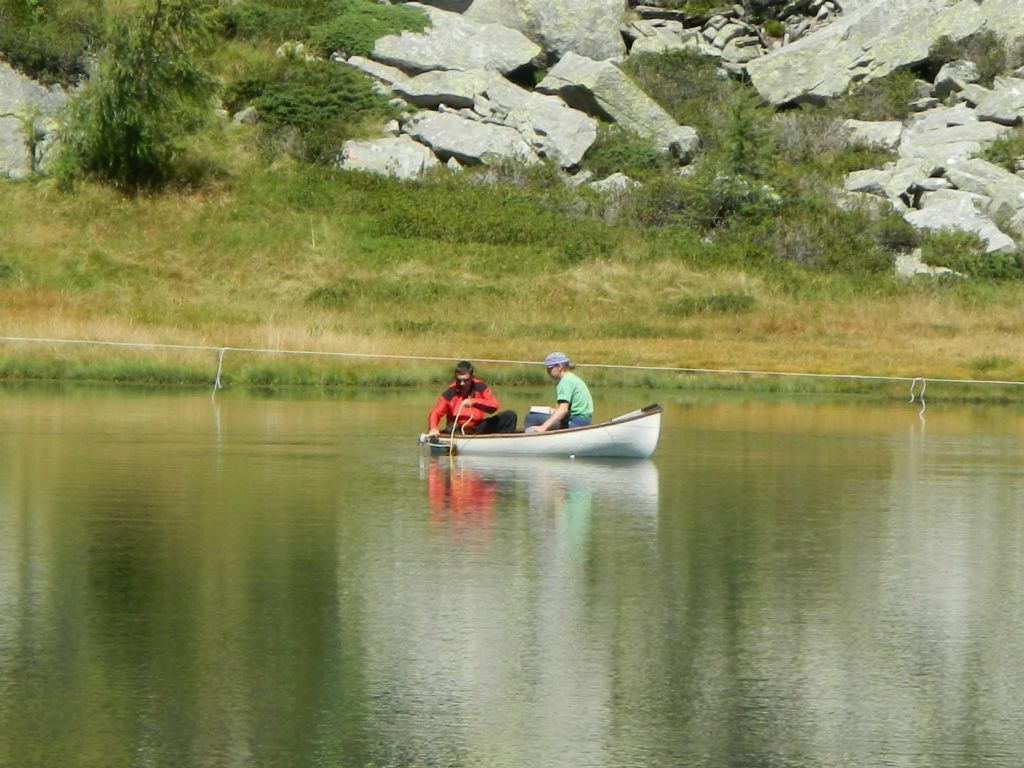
[{"x": 286, "y": 582}]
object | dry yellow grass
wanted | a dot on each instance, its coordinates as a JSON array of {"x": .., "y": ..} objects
[{"x": 211, "y": 270}]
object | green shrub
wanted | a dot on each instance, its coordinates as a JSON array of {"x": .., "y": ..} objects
[
  {"x": 358, "y": 24},
  {"x": 706, "y": 200},
  {"x": 893, "y": 233},
  {"x": 307, "y": 108},
  {"x": 1007, "y": 151},
  {"x": 815, "y": 235},
  {"x": 774, "y": 28},
  {"x": 685, "y": 83},
  {"x": 885, "y": 98},
  {"x": 47, "y": 39},
  {"x": 985, "y": 48},
  {"x": 617, "y": 150},
  {"x": 746, "y": 145},
  {"x": 964, "y": 252},
  {"x": 268, "y": 22},
  {"x": 450, "y": 210},
  {"x": 350, "y": 26},
  {"x": 813, "y": 143},
  {"x": 8, "y": 272},
  {"x": 149, "y": 91}
]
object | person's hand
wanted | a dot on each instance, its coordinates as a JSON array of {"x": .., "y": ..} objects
[
  {"x": 469, "y": 402},
  {"x": 531, "y": 430},
  {"x": 434, "y": 432}
]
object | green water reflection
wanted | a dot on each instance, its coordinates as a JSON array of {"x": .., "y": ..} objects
[{"x": 270, "y": 582}]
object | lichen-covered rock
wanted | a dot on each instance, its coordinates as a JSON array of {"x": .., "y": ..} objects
[
  {"x": 601, "y": 89},
  {"x": 586, "y": 27},
  {"x": 455, "y": 42},
  {"x": 27, "y": 130},
  {"x": 400, "y": 157},
  {"x": 468, "y": 141},
  {"x": 957, "y": 210},
  {"x": 869, "y": 42}
]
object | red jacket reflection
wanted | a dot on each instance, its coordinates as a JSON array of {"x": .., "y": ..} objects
[
  {"x": 460, "y": 497},
  {"x": 450, "y": 400}
]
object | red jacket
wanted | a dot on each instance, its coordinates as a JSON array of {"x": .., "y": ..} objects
[{"x": 448, "y": 403}]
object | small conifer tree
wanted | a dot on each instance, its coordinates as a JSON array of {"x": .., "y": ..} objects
[{"x": 147, "y": 91}]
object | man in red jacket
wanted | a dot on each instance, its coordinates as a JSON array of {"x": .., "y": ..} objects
[{"x": 469, "y": 406}]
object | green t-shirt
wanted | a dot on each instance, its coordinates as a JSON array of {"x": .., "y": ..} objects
[{"x": 571, "y": 389}]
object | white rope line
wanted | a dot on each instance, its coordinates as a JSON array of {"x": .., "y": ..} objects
[
  {"x": 500, "y": 361},
  {"x": 220, "y": 366}
]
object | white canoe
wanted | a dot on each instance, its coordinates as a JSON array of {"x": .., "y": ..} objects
[{"x": 633, "y": 435}]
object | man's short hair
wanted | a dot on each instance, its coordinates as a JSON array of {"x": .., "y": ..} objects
[{"x": 464, "y": 367}]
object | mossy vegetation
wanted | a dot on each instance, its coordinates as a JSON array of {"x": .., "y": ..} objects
[{"x": 49, "y": 39}]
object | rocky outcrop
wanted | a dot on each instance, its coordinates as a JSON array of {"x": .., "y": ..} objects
[
  {"x": 872, "y": 41},
  {"x": 601, "y": 89},
  {"x": 455, "y": 42},
  {"x": 1004, "y": 104},
  {"x": 554, "y": 130},
  {"x": 453, "y": 88},
  {"x": 1004, "y": 191},
  {"x": 938, "y": 182},
  {"x": 659, "y": 36},
  {"x": 469, "y": 141},
  {"x": 585, "y": 27},
  {"x": 953, "y": 209},
  {"x": 399, "y": 157},
  {"x": 27, "y": 127},
  {"x": 943, "y": 135}
]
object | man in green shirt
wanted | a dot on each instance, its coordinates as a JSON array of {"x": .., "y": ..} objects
[{"x": 575, "y": 405}]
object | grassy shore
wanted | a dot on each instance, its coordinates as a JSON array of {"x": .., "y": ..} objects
[{"x": 298, "y": 259}]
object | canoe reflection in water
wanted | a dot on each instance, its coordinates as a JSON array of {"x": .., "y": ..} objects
[{"x": 463, "y": 492}]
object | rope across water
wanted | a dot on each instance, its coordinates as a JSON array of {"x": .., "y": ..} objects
[{"x": 222, "y": 351}]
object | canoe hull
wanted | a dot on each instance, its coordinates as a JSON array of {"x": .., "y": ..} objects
[{"x": 630, "y": 436}]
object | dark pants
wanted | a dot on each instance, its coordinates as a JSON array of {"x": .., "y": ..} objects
[
  {"x": 536, "y": 419},
  {"x": 503, "y": 421}
]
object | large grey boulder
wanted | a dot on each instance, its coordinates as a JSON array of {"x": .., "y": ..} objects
[
  {"x": 454, "y": 88},
  {"x": 1004, "y": 103},
  {"x": 883, "y": 134},
  {"x": 601, "y": 89},
  {"x": 546, "y": 123},
  {"x": 468, "y": 141},
  {"x": 1004, "y": 17},
  {"x": 871, "y": 181},
  {"x": 587, "y": 27},
  {"x": 954, "y": 77},
  {"x": 659, "y": 36},
  {"x": 375, "y": 69},
  {"x": 942, "y": 136},
  {"x": 455, "y": 42},
  {"x": 399, "y": 157},
  {"x": 901, "y": 180},
  {"x": 1005, "y": 190},
  {"x": 1017, "y": 224},
  {"x": 957, "y": 210},
  {"x": 869, "y": 42},
  {"x": 27, "y": 127},
  {"x": 555, "y": 130}
]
